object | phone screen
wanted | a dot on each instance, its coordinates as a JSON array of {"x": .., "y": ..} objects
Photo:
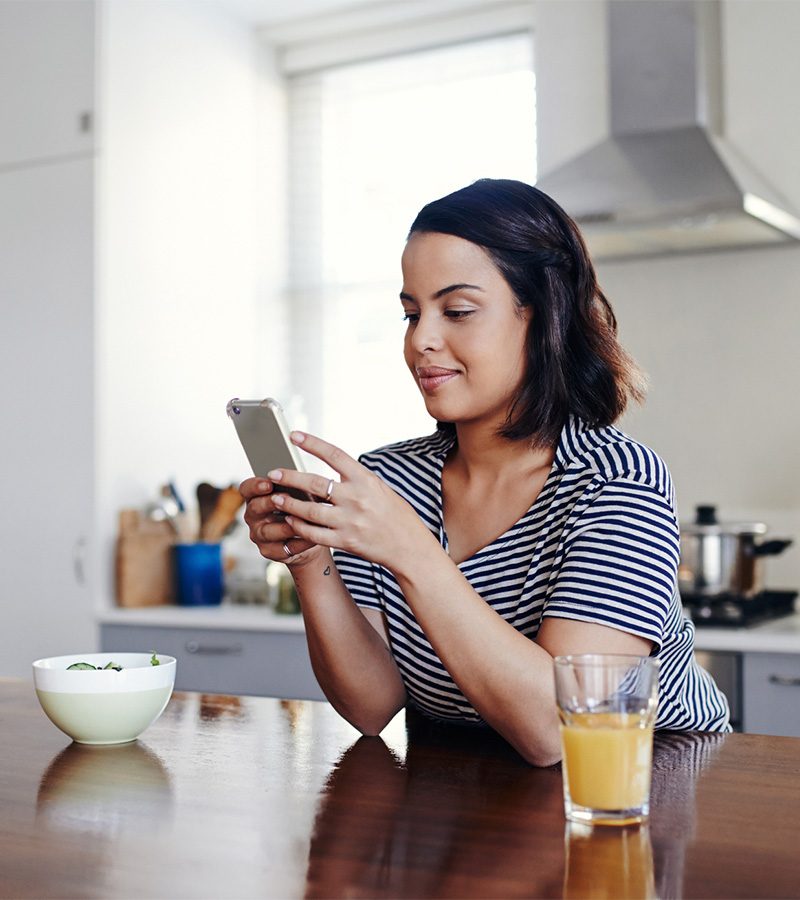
[{"x": 264, "y": 435}]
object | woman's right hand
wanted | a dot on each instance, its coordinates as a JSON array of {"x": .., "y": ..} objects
[{"x": 268, "y": 530}]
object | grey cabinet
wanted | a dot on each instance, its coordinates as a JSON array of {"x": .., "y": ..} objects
[
  {"x": 726, "y": 670},
  {"x": 225, "y": 661},
  {"x": 772, "y": 693}
]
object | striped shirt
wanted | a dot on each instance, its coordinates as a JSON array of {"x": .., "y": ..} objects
[{"x": 599, "y": 544}]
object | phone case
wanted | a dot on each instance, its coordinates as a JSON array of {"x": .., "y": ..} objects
[{"x": 264, "y": 435}]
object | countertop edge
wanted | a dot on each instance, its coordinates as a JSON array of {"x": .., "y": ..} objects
[{"x": 225, "y": 617}]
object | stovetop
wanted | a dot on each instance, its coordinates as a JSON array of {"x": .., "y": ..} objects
[{"x": 734, "y": 611}]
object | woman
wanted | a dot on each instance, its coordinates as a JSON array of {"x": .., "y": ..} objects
[{"x": 524, "y": 528}]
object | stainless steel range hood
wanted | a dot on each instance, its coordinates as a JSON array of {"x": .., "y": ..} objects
[{"x": 665, "y": 180}]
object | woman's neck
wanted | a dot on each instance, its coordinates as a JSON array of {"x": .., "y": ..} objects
[{"x": 483, "y": 456}]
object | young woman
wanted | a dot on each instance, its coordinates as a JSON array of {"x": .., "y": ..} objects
[{"x": 524, "y": 528}]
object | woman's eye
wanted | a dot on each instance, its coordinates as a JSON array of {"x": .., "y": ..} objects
[
  {"x": 411, "y": 317},
  {"x": 458, "y": 313}
]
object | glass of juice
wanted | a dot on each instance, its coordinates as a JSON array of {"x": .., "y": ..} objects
[{"x": 607, "y": 707}]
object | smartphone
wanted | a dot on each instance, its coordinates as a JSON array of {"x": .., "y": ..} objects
[{"x": 264, "y": 434}]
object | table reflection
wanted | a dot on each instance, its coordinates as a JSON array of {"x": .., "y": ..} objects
[
  {"x": 679, "y": 761},
  {"x": 444, "y": 823},
  {"x": 104, "y": 790},
  {"x": 218, "y": 706},
  {"x": 434, "y": 825},
  {"x": 608, "y": 863}
]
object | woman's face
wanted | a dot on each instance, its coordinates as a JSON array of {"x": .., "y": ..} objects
[{"x": 465, "y": 340}]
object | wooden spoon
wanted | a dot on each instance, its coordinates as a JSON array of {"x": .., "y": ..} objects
[{"x": 229, "y": 502}]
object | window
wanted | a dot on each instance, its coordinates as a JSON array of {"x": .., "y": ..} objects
[{"x": 370, "y": 144}]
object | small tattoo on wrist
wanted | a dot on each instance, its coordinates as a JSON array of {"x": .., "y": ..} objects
[{"x": 327, "y": 570}]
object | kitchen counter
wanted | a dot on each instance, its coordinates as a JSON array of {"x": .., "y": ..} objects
[
  {"x": 227, "y": 617},
  {"x": 239, "y": 797},
  {"x": 778, "y": 636}
]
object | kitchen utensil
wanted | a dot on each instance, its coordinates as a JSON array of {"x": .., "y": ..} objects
[
  {"x": 207, "y": 496},
  {"x": 198, "y": 574},
  {"x": 228, "y": 502},
  {"x": 720, "y": 558},
  {"x": 173, "y": 491}
]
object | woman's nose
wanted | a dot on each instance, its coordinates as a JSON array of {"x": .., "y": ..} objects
[{"x": 427, "y": 333}]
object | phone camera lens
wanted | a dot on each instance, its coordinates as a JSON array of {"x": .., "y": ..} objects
[{"x": 236, "y": 410}]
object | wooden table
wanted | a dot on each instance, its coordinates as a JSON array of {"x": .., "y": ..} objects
[{"x": 252, "y": 797}]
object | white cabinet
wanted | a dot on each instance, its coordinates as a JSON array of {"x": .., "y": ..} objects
[
  {"x": 47, "y": 334},
  {"x": 46, "y": 79},
  {"x": 46, "y": 385},
  {"x": 772, "y": 693}
]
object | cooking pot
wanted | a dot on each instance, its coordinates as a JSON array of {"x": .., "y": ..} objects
[{"x": 722, "y": 558}]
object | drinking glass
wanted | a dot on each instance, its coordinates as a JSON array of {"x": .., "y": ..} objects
[{"x": 607, "y": 707}]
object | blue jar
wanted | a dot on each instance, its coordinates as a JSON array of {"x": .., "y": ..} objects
[{"x": 198, "y": 574}]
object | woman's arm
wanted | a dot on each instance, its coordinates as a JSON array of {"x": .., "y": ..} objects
[
  {"x": 506, "y": 677},
  {"x": 348, "y": 646}
]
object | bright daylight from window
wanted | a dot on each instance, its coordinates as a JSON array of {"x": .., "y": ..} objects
[{"x": 391, "y": 135}]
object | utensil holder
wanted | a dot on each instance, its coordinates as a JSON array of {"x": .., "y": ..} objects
[{"x": 198, "y": 574}]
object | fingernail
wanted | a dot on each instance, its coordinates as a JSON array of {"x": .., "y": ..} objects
[
  {"x": 297, "y": 436},
  {"x": 278, "y": 499},
  {"x": 275, "y": 475},
  {"x": 263, "y": 486}
]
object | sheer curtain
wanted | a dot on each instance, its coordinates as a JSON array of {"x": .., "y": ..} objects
[{"x": 370, "y": 144}]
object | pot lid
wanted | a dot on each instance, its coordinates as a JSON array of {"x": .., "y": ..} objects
[{"x": 706, "y": 523}]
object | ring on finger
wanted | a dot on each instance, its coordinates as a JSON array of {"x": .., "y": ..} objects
[
  {"x": 287, "y": 551},
  {"x": 329, "y": 491}
]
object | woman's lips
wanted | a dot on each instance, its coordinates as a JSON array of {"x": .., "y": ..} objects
[{"x": 433, "y": 377}]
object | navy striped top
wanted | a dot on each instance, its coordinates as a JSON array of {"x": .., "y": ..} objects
[{"x": 599, "y": 544}]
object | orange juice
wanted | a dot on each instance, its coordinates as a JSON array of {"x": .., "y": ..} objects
[{"x": 607, "y": 759}]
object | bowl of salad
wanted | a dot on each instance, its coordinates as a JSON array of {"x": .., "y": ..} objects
[{"x": 104, "y": 698}]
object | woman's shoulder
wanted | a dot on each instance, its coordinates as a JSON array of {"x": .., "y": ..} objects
[{"x": 613, "y": 455}]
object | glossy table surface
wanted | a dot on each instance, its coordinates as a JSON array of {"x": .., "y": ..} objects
[{"x": 253, "y": 797}]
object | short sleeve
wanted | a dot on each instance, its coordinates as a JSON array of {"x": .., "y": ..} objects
[
  {"x": 620, "y": 561},
  {"x": 359, "y": 578}
]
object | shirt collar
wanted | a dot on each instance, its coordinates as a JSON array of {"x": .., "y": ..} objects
[{"x": 572, "y": 442}]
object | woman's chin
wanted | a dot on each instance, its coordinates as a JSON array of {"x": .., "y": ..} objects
[{"x": 439, "y": 411}]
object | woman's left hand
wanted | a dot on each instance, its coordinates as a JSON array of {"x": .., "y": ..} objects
[{"x": 360, "y": 513}]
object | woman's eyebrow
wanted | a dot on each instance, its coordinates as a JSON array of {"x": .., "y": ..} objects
[{"x": 446, "y": 290}]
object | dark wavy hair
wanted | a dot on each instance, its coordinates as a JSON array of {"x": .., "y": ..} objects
[{"x": 574, "y": 362}]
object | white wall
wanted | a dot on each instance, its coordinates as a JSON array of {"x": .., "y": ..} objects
[
  {"x": 718, "y": 333},
  {"x": 188, "y": 264}
]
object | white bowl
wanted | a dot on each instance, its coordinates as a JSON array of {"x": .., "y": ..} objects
[{"x": 104, "y": 706}]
